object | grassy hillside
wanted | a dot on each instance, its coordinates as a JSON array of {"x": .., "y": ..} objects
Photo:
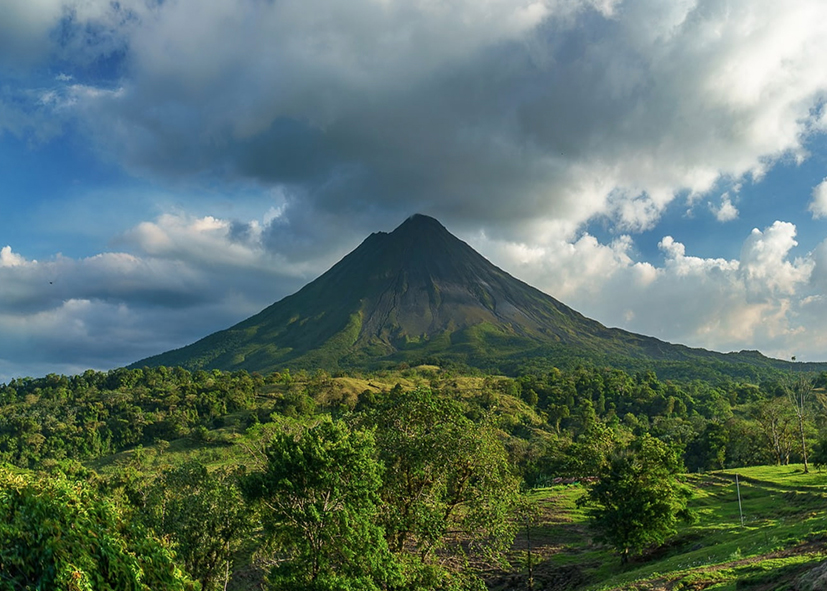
[{"x": 782, "y": 544}]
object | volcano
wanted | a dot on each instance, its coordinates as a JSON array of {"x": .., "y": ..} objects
[{"x": 414, "y": 295}]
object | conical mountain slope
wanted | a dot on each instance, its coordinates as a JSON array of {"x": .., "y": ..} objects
[{"x": 415, "y": 293}]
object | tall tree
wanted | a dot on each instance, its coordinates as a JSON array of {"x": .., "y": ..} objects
[
  {"x": 775, "y": 420},
  {"x": 799, "y": 394},
  {"x": 637, "y": 500},
  {"x": 205, "y": 516},
  {"x": 319, "y": 495},
  {"x": 444, "y": 475}
]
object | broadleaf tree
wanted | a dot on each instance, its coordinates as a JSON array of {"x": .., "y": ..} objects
[
  {"x": 204, "y": 514},
  {"x": 56, "y": 533},
  {"x": 447, "y": 480},
  {"x": 318, "y": 495},
  {"x": 638, "y": 499}
]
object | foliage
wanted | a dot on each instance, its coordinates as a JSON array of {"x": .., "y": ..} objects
[
  {"x": 57, "y": 534},
  {"x": 203, "y": 513},
  {"x": 637, "y": 500},
  {"x": 819, "y": 454},
  {"x": 775, "y": 419},
  {"x": 709, "y": 450},
  {"x": 449, "y": 446},
  {"x": 448, "y": 486},
  {"x": 319, "y": 496},
  {"x": 94, "y": 414}
]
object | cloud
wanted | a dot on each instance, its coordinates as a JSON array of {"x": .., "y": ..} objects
[
  {"x": 818, "y": 206},
  {"x": 766, "y": 299},
  {"x": 9, "y": 258},
  {"x": 79, "y": 334},
  {"x": 110, "y": 309},
  {"x": 183, "y": 278},
  {"x": 765, "y": 266},
  {"x": 726, "y": 212},
  {"x": 576, "y": 111},
  {"x": 25, "y": 27},
  {"x": 31, "y": 286},
  {"x": 283, "y": 242}
]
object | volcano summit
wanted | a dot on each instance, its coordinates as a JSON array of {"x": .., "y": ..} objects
[{"x": 416, "y": 294}]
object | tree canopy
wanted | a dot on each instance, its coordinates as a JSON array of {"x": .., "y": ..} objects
[
  {"x": 319, "y": 496},
  {"x": 637, "y": 499},
  {"x": 58, "y": 534},
  {"x": 202, "y": 513},
  {"x": 443, "y": 473}
]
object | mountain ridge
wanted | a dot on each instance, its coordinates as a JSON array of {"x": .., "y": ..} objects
[{"x": 420, "y": 292}]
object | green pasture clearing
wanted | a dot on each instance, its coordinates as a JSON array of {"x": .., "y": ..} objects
[{"x": 784, "y": 535}]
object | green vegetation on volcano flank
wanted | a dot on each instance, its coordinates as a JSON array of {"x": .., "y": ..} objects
[{"x": 418, "y": 295}]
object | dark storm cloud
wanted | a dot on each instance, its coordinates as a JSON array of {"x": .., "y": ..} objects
[{"x": 563, "y": 111}]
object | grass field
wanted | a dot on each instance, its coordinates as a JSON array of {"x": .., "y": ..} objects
[{"x": 780, "y": 546}]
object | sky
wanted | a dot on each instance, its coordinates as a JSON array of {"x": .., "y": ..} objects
[{"x": 171, "y": 167}]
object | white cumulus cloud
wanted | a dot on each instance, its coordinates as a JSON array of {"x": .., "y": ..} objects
[
  {"x": 818, "y": 206},
  {"x": 727, "y": 211}
]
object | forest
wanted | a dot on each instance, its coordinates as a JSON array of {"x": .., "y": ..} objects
[{"x": 412, "y": 478}]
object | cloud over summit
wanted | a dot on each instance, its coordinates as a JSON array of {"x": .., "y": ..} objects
[{"x": 575, "y": 109}]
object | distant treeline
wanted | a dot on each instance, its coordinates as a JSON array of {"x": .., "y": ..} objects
[
  {"x": 95, "y": 414},
  {"x": 712, "y": 425}
]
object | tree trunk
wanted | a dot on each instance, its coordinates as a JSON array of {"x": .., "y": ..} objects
[
  {"x": 803, "y": 443},
  {"x": 530, "y": 566}
]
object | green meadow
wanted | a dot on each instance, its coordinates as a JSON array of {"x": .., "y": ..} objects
[{"x": 779, "y": 546}]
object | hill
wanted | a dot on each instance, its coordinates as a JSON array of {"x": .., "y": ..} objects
[
  {"x": 419, "y": 294},
  {"x": 781, "y": 544}
]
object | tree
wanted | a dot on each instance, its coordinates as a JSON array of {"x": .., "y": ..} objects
[
  {"x": 319, "y": 495},
  {"x": 592, "y": 449},
  {"x": 819, "y": 455},
  {"x": 528, "y": 514},
  {"x": 708, "y": 451},
  {"x": 799, "y": 393},
  {"x": 203, "y": 513},
  {"x": 637, "y": 500},
  {"x": 776, "y": 423},
  {"x": 446, "y": 479},
  {"x": 59, "y": 534}
]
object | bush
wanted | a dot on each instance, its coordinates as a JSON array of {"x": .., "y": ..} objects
[{"x": 58, "y": 534}]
